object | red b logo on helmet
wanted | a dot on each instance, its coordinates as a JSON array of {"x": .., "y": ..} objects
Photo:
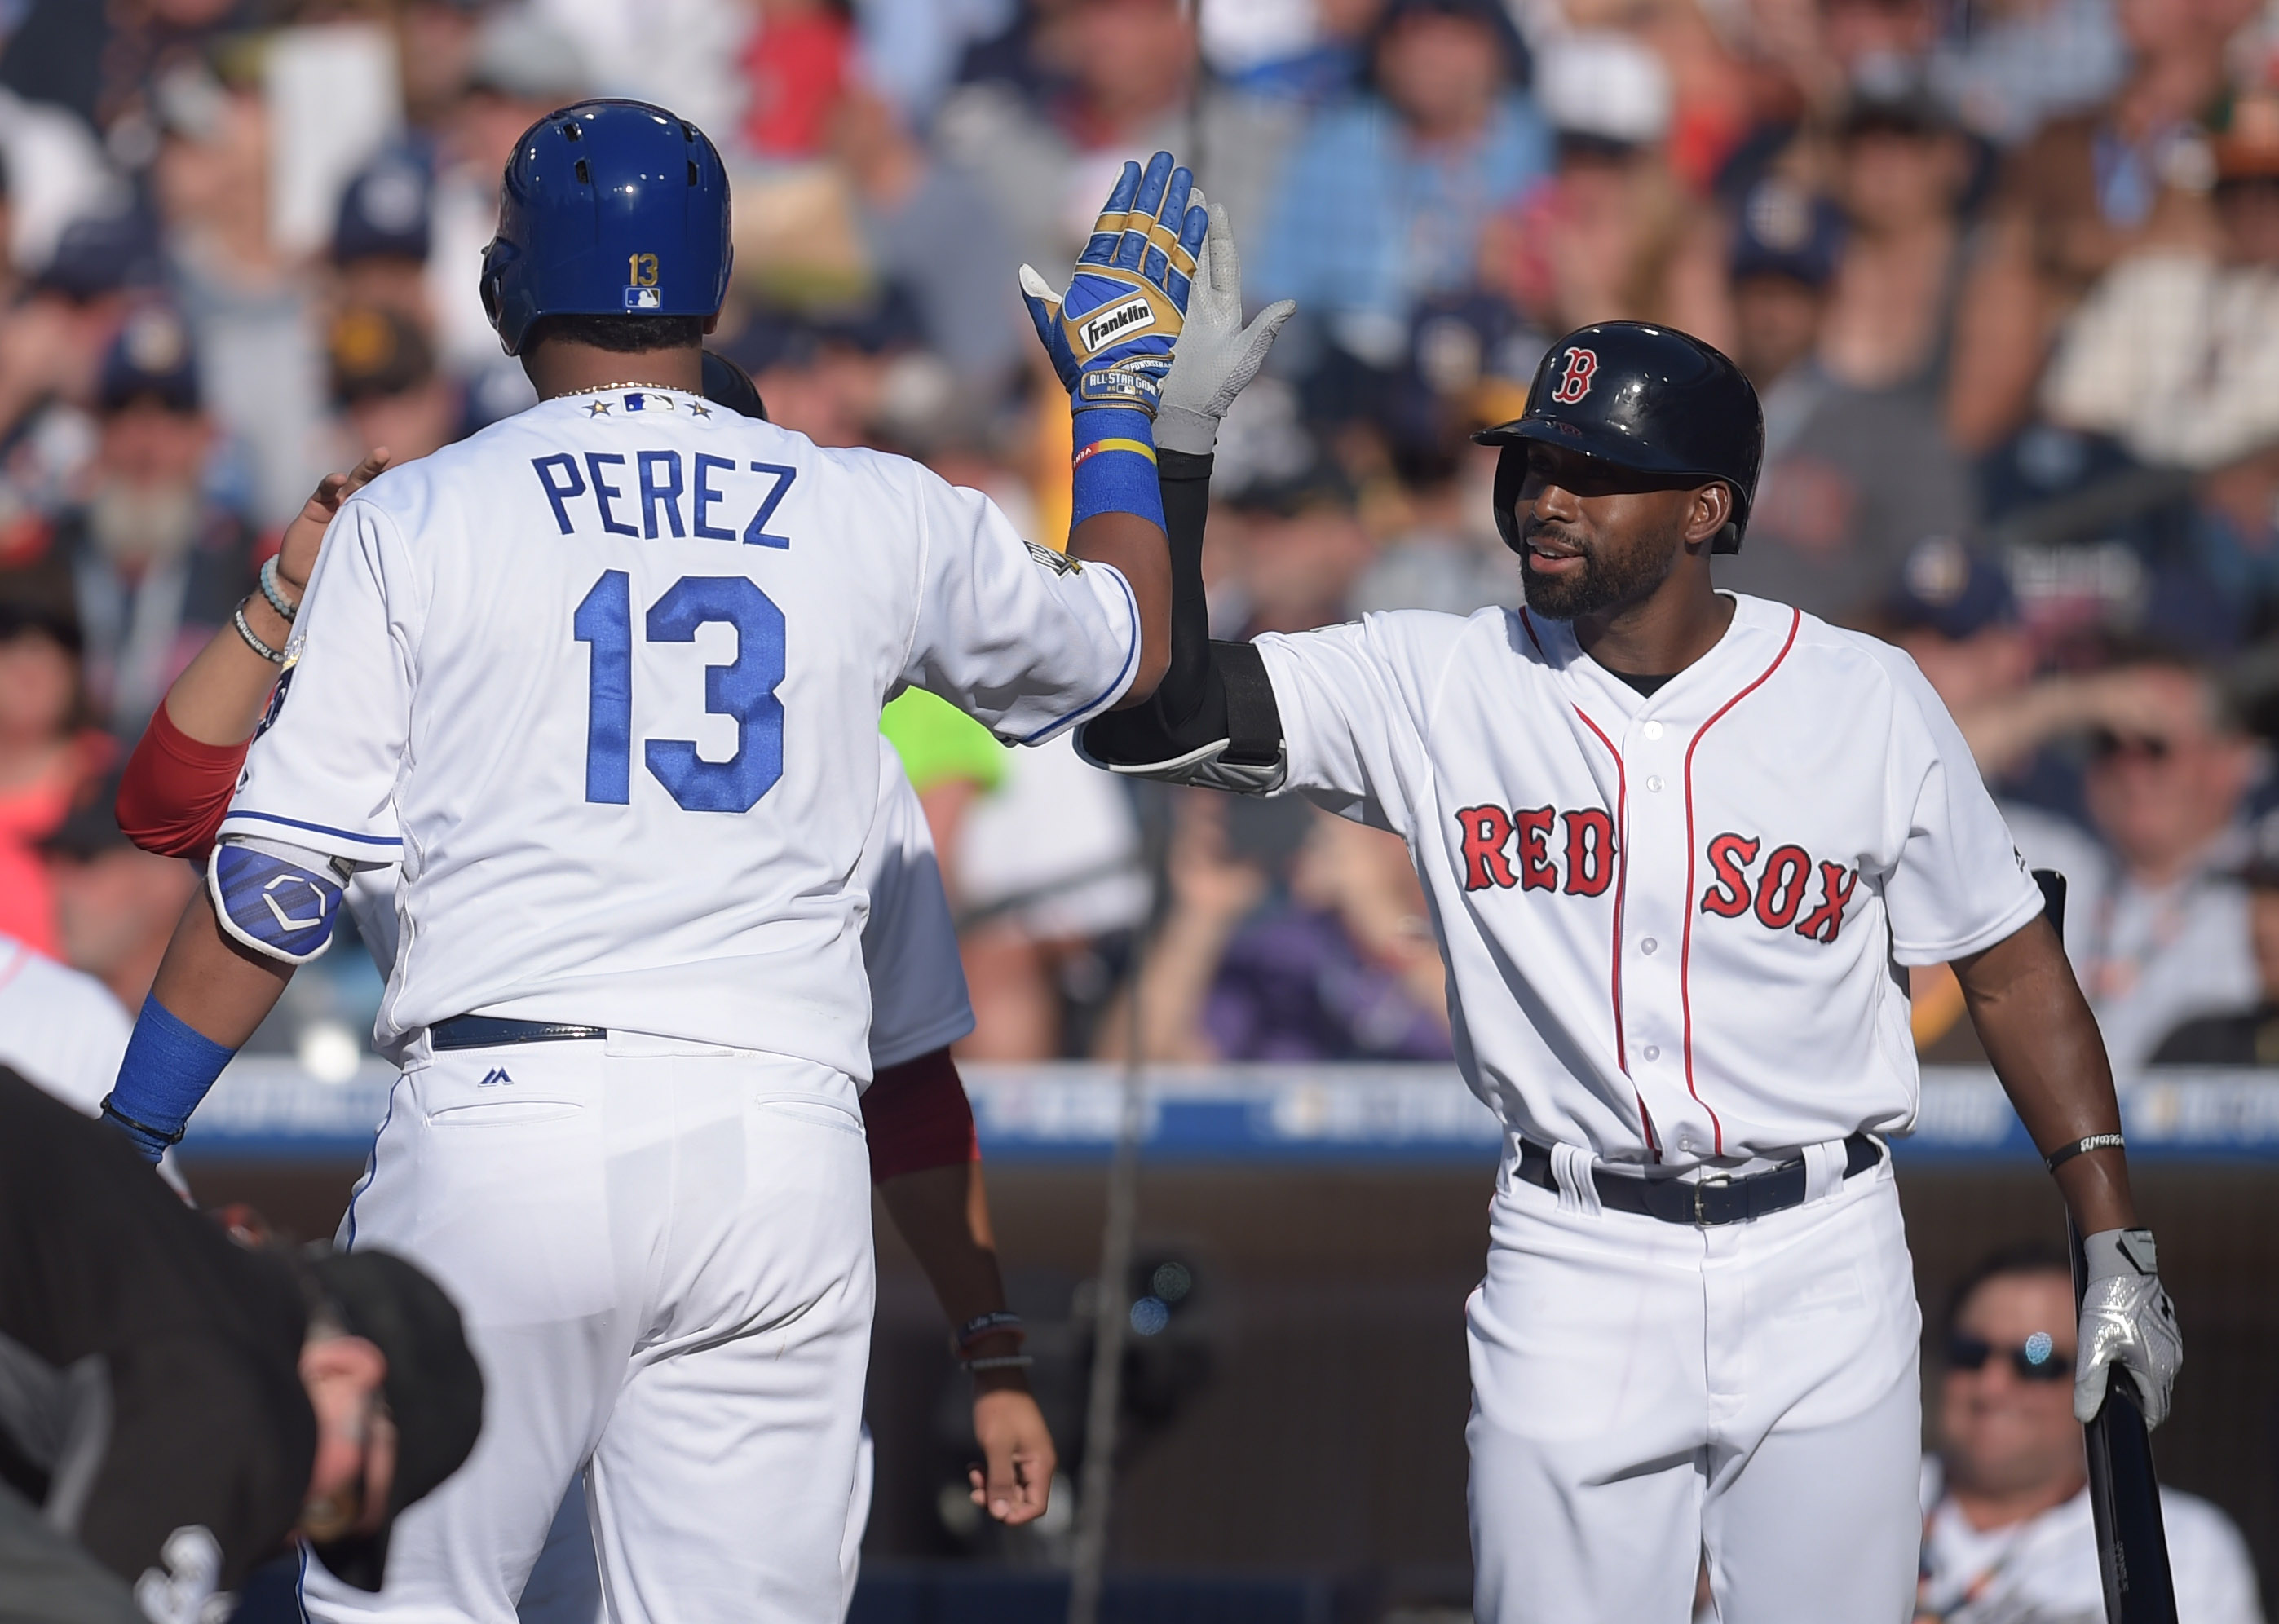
[{"x": 1575, "y": 382}]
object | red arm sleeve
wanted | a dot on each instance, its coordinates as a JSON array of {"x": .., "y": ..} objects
[
  {"x": 174, "y": 792},
  {"x": 919, "y": 1117}
]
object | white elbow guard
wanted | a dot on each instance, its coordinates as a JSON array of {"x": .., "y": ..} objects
[{"x": 281, "y": 900}]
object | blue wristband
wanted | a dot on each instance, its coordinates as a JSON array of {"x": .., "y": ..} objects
[
  {"x": 1113, "y": 466},
  {"x": 167, "y": 1069}
]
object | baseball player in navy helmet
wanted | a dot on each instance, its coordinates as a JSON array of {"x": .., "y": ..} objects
[{"x": 1676, "y": 842}]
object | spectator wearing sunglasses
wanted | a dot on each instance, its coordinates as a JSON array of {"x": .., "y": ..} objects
[
  {"x": 2157, "y": 920},
  {"x": 2249, "y": 1035},
  {"x": 2007, "y": 1534}
]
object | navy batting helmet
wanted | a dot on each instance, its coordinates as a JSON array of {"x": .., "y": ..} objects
[
  {"x": 608, "y": 208},
  {"x": 1638, "y": 396}
]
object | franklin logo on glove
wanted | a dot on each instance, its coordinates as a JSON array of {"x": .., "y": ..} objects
[{"x": 1126, "y": 317}]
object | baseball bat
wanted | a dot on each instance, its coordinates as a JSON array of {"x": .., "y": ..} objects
[{"x": 2124, "y": 1496}]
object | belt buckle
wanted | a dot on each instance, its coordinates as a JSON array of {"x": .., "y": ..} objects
[{"x": 1701, "y": 1218}]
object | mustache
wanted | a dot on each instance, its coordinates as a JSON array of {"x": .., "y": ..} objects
[{"x": 1555, "y": 534}]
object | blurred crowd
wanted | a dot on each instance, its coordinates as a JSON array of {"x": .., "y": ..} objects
[{"x": 2004, "y": 271}]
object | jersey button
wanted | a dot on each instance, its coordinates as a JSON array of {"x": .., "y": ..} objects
[
  {"x": 1654, "y": 1052},
  {"x": 1654, "y": 783},
  {"x": 1685, "y": 1142},
  {"x": 1648, "y": 945},
  {"x": 1653, "y": 730}
]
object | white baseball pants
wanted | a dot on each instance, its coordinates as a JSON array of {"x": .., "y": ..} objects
[
  {"x": 662, "y": 1251},
  {"x": 1643, "y": 1391}
]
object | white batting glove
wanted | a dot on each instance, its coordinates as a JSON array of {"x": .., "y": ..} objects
[
  {"x": 1217, "y": 356},
  {"x": 2126, "y": 1320}
]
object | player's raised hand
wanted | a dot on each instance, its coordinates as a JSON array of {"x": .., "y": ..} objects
[
  {"x": 1216, "y": 357},
  {"x": 1018, "y": 1448},
  {"x": 1110, "y": 335},
  {"x": 297, "y": 557}
]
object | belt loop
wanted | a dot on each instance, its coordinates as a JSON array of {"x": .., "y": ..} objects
[
  {"x": 1571, "y": 1167},
  {"x": 1823, "y": 1170}
]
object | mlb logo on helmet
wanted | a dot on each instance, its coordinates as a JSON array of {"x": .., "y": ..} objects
[{"x": 644, "y": 299}]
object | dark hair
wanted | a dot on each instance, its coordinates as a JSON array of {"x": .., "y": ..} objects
[
  {"x": 624, "y": 335},
  {"x": 2019, "y": 1259}
]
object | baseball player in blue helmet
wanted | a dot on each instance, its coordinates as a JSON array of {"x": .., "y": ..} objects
[
  {"x": 608, "y": 208},
  {"x": 594, "y": 677}
]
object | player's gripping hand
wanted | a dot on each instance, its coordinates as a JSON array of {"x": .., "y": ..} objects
[
  {"x": 1111, "y": 333},
  {"x": 1217, "y": 356},
  {"x": 2126, "y": 1320},
  {"x": 1018, "y": 1448}
]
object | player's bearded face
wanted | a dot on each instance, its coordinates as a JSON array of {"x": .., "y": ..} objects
[{"x": 1598, "y": 554}]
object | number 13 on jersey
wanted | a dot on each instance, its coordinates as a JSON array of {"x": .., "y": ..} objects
[{"x": 745, "y": 689}]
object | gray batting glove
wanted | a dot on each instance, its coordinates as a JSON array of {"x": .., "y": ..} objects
[
  {"x": 1217, "y": 355},
  {"x": 2126, "y": 1320}
]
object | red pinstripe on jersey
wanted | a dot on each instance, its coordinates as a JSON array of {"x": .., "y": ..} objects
[
  {"x": 1685, "y": 949},
  {"x": 1622, "y": 889}
]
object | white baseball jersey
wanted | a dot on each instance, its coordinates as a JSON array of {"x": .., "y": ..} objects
[
  {"x": 1670, "y": 923},
  {"x": 2044, "y": 1570},
  {"x": 61, "y": 1030},
  {"x": 918, "y": 1001},
  {"x": 606, "y": 678}
]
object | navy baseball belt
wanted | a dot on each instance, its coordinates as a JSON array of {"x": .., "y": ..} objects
[
  {"x": 495, "y": 1031},
  {"x": 1711, "y": 1200}
]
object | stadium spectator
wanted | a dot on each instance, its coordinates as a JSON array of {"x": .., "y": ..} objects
[
  {"x": 1127, "y": 86},
  {"x": 156, "y": 561},
  {"x": 52, "y": 343},
  {"x": 45, "y": 759},
  {"x": 1611, "y": 234},
  {"x": 2007, "y": 1533},
  {"x": 1039, "y": 856},
  {"x": 385, "y": 382},
  {"x": 1901, "y": 168},
  {"x": 1292, "y": 936},
  {"x": 1855, "y": 479},
  {"x": 1383, "y": 199},
  {"x": 182, "y": 1408},
  {"x": 2084, "y": 192},
  {"x": 2156, "y": 925},
  {"x": 382, "y": 236},
  {"x": 1294, "y": 547},
  {"x": 116, "y": 905},
  {"x": 2175, "y": 350},
  {"x": 2249, "y": 1035},
  {"x": 249, "y": 309},
  {"x": 521, "y": 69},
  {"x": 2017, "y": 63}
]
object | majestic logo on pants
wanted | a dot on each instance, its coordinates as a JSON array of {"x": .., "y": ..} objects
[
  {"x": 1587, "y": 852},
  {"x": 1776, "y": 893},
  {"x": 1575, "y": 382}
]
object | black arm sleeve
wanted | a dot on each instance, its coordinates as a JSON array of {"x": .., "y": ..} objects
[{"x": 1212, "y": 691}]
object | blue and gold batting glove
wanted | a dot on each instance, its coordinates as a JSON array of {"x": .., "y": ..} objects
[{"x": 1111, "y": 333}]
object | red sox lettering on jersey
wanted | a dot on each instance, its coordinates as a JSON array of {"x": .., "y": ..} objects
[{"x": 1669, "y": 919}]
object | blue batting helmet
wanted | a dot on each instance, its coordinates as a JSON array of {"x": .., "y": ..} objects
[{"x": 608, "y": 208}]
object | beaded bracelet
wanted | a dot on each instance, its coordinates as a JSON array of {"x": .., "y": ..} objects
[
  {"x": 1002, "y": 1361},
  {"x": 286, "y": 607}
]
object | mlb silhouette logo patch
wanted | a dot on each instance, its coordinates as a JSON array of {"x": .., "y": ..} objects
[{"x": 644, "y": 299}]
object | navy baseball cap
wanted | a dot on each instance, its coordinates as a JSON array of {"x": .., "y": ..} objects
[
  {"x": 1946, "y": 588},
  {"x": 1785, "y": 230},
  {"x": 385, "y": 213},
  {"x": 151, "y": 359},
  {"x": 103, "y": 253}
]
